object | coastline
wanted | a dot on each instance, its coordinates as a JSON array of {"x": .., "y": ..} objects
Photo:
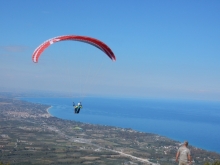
[
  {"x": 100, "y": 136},
  {"x": 167, "y": 125},
  {"x": 49, "y": 112}
]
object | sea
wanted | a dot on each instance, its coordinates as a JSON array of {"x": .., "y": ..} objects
[{"x": 198, "y": 122}]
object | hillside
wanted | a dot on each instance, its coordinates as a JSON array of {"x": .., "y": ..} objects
[{"x": 29, "y": 135}]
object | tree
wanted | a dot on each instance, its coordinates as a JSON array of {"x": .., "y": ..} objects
[
  {"x": 215, "y": 163},
  {"x": 1, "y": 163}
]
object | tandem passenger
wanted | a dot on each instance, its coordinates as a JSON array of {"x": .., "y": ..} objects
[{"x": 183, "y": 154}]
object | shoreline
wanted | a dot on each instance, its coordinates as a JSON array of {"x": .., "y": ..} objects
[
  {"x": 192, "y": 143},
  {"x": 49, "y": 112},
  {"x": 66, "y": 129}
]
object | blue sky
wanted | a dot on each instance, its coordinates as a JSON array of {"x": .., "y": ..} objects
[{"x": 164, "y": 49}]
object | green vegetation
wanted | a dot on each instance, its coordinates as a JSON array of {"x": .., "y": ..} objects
[
  {"x": 214, "y": 163},
  {"x": 28, "y": 135},
  {"x": 4, "y": 163}
]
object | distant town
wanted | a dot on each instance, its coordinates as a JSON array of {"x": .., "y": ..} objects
[{"x": 30, "y": 135}]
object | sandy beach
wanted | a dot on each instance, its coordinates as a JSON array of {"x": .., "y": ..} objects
[{"x": 49, "y": 112}]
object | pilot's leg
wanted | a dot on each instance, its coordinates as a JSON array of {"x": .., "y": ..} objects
[{"x": 78, "y": 110}]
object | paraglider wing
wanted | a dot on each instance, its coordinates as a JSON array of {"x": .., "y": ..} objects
[{"x": 99, "y": 44}]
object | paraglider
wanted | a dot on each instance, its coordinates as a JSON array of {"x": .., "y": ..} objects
[
  {"x": 97, "y": 43},
  {"x": 92, "y": 41},
  {"x": 77, "y": 107}
]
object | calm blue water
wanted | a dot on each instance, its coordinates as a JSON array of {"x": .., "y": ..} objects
[{"x": 197, "y": 122}]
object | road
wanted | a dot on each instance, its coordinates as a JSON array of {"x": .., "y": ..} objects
[{"x": 86, "y": 141}]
